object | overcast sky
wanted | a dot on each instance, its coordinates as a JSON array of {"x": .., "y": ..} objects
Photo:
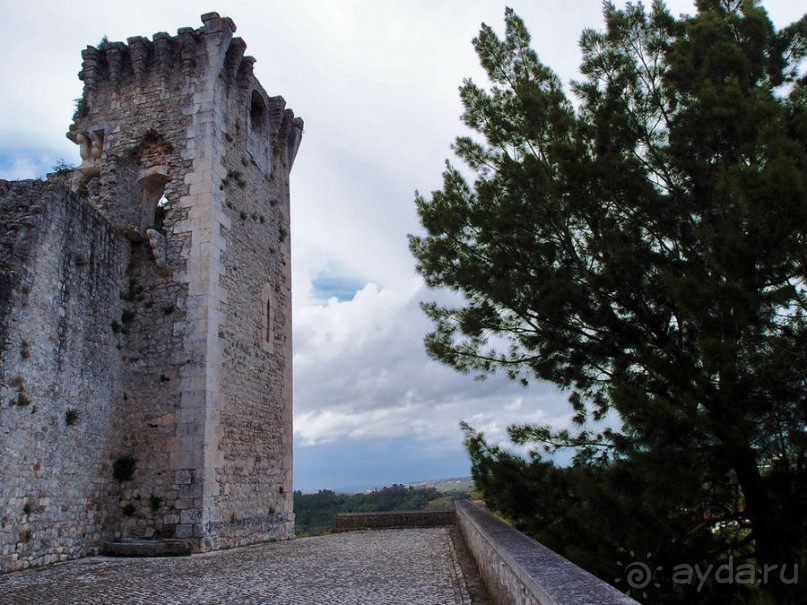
[{"x": 376, "y": 83}]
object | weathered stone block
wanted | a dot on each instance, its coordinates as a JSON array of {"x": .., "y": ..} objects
[{"x": 183, "y": 477}]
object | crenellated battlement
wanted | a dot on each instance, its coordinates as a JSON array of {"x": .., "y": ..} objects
[
  {"x": 123, "y": 80},
  {"x": 142, "y": 72},
  {"x": 139, "y": 57}
]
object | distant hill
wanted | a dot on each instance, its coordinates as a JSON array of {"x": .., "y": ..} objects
[{"x": 446, "y": 486}]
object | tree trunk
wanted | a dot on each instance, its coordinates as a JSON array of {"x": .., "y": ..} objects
[{"x": 770, "y": 539}]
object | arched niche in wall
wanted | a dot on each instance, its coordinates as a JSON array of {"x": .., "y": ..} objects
[{"x": 266, "y": 327}]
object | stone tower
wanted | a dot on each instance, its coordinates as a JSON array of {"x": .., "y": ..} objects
[{"x": 145, "y": 310}]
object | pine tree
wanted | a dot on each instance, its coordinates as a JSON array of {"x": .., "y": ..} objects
[{"x": 645, "y": 250}]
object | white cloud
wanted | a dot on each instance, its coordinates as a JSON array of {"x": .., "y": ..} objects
[
  {"x": 19, "y": 165},
  {"x": 362, "y": 374}
]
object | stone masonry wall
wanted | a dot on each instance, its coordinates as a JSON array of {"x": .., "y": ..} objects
[{"x": 61, "y": 269}]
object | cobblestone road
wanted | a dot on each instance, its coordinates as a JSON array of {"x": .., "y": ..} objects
[{"x": 406, "y": 566}]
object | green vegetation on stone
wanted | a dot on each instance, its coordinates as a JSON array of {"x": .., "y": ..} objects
[
  {"x": 71, "y": 416},
  {"x": 123, "y": 468}
]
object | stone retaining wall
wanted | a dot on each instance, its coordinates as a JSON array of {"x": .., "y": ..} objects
[{"x": 517, "y": 569}]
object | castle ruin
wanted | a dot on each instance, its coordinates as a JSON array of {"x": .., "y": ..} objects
[{"x": 145, "y": 311}]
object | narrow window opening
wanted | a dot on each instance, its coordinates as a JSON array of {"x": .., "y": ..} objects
[
  {"x": 268, "y": 335},
  {"x": 267, "y": 320}
]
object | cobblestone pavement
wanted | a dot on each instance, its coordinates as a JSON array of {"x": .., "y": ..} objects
[{"x": 406, "y": 566}]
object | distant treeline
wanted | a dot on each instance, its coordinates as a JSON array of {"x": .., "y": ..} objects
[{"x": 315, "y": 512}]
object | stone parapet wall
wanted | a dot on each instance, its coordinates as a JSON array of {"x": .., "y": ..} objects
[
  {"x": 393, "y": 519},
  {"x": 518, "y": 570}
]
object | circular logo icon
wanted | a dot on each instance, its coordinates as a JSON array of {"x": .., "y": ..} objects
[{"x": 638, "y": 575}]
